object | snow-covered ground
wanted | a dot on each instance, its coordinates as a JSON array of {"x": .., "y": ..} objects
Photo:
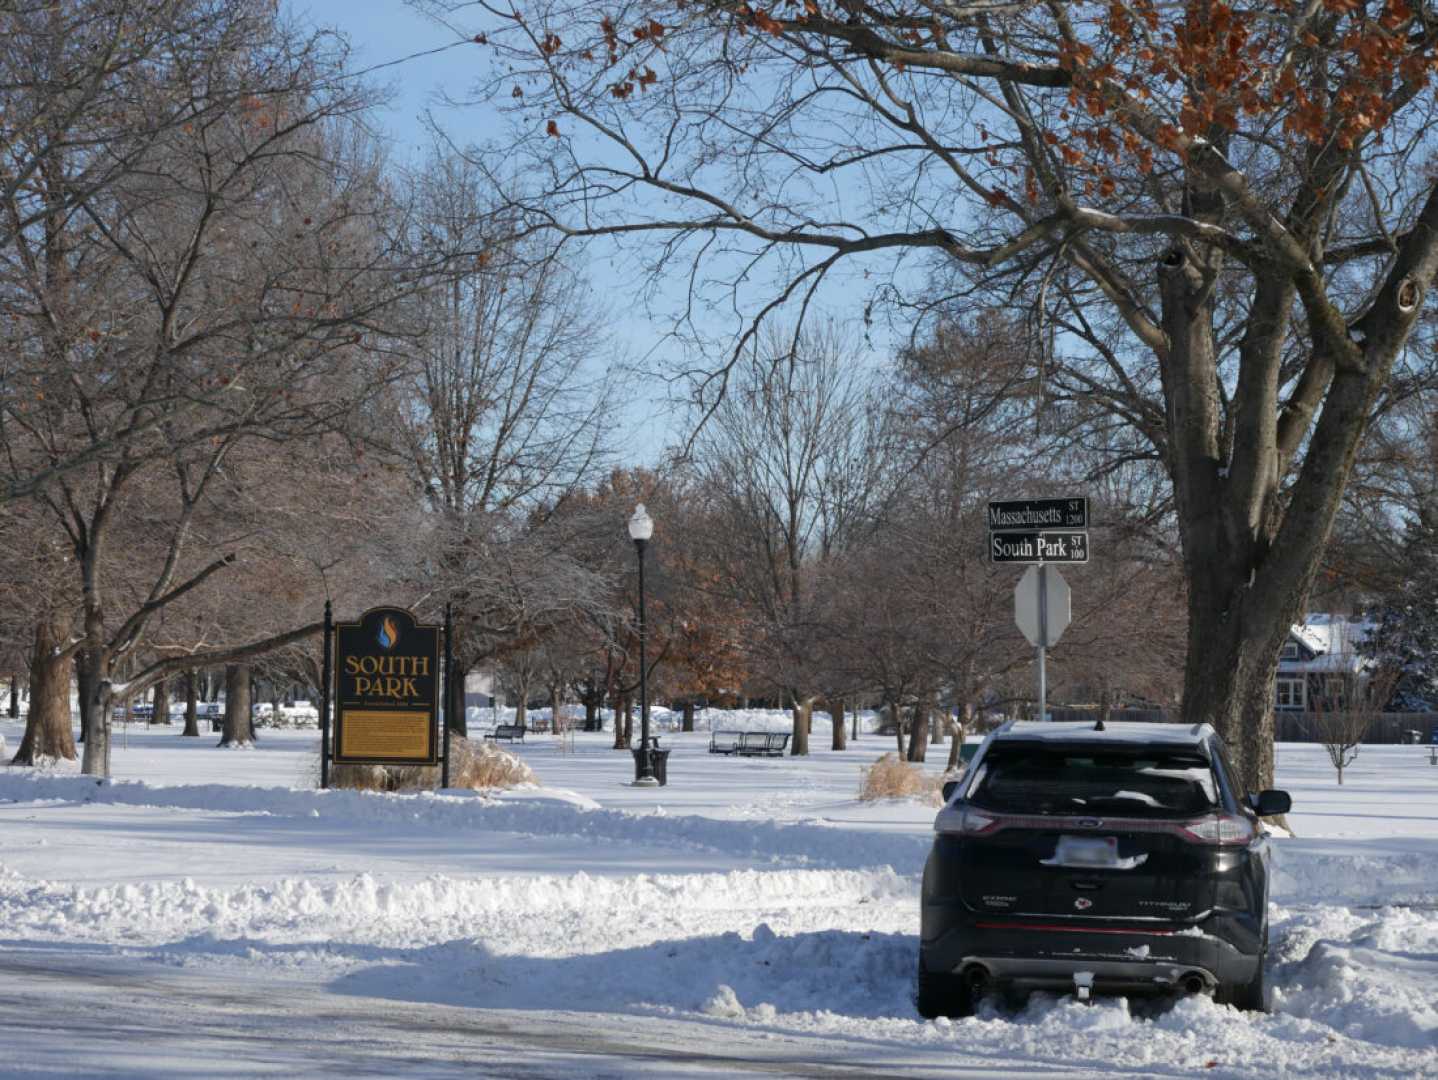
[{"x": 209, "y": 913}]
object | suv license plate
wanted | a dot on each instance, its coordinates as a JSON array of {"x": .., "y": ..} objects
[{"x": 1085, "y": 851}]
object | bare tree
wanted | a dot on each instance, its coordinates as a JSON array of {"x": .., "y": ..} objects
[
  {"x": 1345, "y": 709},
  {"x": 503, "y": 409},
  {"x": 790, "y": 463},
  {"x": 88, "y": 91},
  {"x": 214, "y": 294}
]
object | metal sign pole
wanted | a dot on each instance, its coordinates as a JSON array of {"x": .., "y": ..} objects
[
  {"x": 326, "y": 676},
  {"x": 1043, "y": 640},
  {"x": 448, "y": 694}
]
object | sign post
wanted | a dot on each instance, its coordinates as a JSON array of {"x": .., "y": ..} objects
[
  {"x": 387, "y": 674},
  {"x": 1040, "y": 531},
  {"x": 446, "y": 719},
  {"x": 1042, "y": 610},
  {"x": 326, "y": 677}
]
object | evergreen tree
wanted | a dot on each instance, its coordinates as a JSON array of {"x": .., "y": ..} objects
[{"x": 1405, "y": 641}]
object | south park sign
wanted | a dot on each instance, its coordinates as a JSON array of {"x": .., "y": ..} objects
[{"x": 386, "y": 690}]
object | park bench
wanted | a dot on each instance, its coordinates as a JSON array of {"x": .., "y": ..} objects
[
  {"x": 749, "y": 743},
  {"x": 763, "y": 744},
  {"x": 506, "y": 733},
  {"x": 725, "y": 742}
]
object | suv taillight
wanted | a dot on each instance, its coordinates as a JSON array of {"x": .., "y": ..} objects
[
  {"x": 1221, "y": 829},
  {"x": 975, "y": 823}
]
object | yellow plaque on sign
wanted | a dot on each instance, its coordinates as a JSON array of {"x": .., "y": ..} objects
[{"x": 386, "y": 733}]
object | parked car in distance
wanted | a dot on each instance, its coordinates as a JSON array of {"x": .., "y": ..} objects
[{"x": 1096, "y": 859}]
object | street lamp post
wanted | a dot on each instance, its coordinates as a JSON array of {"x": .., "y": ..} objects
[{"x": 641, "y": 528}]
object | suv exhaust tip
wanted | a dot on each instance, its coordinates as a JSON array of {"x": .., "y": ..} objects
[
  {"x": 976, "y": 977},
  {"x": 1194, "y": 983}
]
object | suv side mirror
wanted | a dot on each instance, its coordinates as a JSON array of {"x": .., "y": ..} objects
[
  {"x": 1269, "y": 802},
  {"x": 950, "y": 786}
]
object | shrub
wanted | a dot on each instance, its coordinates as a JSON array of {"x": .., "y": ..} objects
[
  {"x": 891, "y": 778},
  {"x": 478, "y": 765}
]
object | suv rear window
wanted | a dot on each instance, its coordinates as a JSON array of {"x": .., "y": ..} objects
[{"x": 1142, "y": 782}]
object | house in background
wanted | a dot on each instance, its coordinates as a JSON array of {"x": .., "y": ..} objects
[{"x": 1320, "y": 665}]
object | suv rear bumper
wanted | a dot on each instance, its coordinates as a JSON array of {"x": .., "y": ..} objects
[
  {"x": 1039, "y": 953},
  {"x": 1105, "y": 975}
]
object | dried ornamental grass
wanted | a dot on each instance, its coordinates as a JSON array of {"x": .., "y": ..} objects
[
  {"x": 891, "y": 778},
  {"x": 478, "y": 765}
]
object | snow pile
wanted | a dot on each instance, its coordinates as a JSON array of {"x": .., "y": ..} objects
[
  {"x": 529, "y": 811},
  {"x": 775, "y": 720},
  {"x": 1364, "y": 871},
  {"x": 1369, "y": 974},
  {"x": 302, "y": 714},
  {"x": 546, "y": 915}
]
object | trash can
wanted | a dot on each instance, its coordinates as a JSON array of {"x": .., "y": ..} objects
[
  {"x": 1413, "y": 736},
  {"x": 659, "y": 763}
]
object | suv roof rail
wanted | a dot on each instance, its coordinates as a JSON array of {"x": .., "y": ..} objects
[
  {"x": 1197, "y": 729},
  {"x": 1005, "y": 726}
]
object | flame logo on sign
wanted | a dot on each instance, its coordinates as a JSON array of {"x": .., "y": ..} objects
[{"x": 388, "y": 633}]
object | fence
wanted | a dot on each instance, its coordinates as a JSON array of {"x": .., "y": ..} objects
[
  {"x": 1386, "y": 727},
  {"x": 1288, "y": 726}
]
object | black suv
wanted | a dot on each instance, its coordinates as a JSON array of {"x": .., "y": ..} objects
[{"x": 1118, "y": 859}]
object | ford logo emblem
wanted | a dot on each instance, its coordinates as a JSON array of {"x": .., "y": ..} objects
[
  {"x": 1089, "y": 823},
  {"x": 1083, "y": 903}
]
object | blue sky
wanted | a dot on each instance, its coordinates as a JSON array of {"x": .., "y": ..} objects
[{"x": 385, "y": 31}]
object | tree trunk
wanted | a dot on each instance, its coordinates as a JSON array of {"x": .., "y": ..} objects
[
  {"x": 628, "y": 721},
  {"x": 836, "y": 722},
  {"x": 160, "y": 714},
  {"x": 956, "y": 739},
  {"x": 799, "y": 742},
  {"x": 919, "y": 732},
  {"x": 84, "y": 685},
  {"x": 192, "y": 718},
  {"x": 616, "y": 705},
  {"x": 239, "y": 721},
  {"x": 688, "y": 714},
  {"x": 854, "y": 731},
  {"x": 591, "y": 713},
  {"x": 15, "y": 697},
  {"x": 48, "y": 732},
  {"x": 1230, "y": 684},
  {"x": 521, "y": 711},
  {"x": 1105, "y": 705},
  {"x": 892, "y": 708},
  {"x": 95, "y": 701}
]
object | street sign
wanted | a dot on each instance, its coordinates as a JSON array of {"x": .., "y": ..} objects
[
  {"x": 1042, "y": 602},
  {"x": 1038, "y": 547},
  {"x": 387, "y": 690},
  {"x": 1024, "y": 515}
]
